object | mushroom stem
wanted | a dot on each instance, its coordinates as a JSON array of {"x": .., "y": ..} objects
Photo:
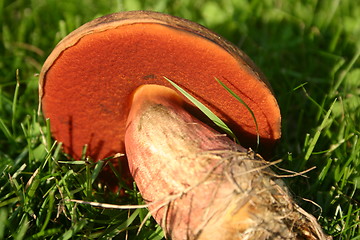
[{"x": 200, "y": 184}]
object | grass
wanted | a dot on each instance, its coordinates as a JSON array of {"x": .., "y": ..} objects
[{"x": 309, "y": 50}]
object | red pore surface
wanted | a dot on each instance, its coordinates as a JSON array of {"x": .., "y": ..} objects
[{"x": 85, "y": 91}]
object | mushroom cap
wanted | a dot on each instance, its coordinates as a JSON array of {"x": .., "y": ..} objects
[{"x": 86, "y": 82}]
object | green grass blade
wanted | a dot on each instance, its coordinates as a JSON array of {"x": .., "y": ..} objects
[
  {"x": 345, "y": 71},
  {"x": 73, "y": 230},
  {"x": 88, "y": 179},
  {"x": 246, "y": 106},
  {"x": 3, "y": 222},
  {"x": 49, "y": 211},
  {"x": 47, "y": 233},
  {"x": 22, "y": 229},
  {"x": 204, "y": 109},
  {"x": 48, "y": 134},
  {"x": 111, "y": 233},
  {"x": 314, "y": 140},
  {"x": 33, "y": 184},
  {"x": 6, "y": 130},
  {"x": 9, "y": 202},
  {"x": 15, "y": 101},
  {"x": 96, "y": 171}
]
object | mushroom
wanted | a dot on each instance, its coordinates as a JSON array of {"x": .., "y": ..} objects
[
  {"x": 103, "y": 86},
  {"x": 201, "y": 185},
  {"x": 86, "y": 81}
]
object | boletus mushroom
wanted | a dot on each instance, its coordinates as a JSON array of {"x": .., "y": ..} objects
[{"x": 103, "y": 86}]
